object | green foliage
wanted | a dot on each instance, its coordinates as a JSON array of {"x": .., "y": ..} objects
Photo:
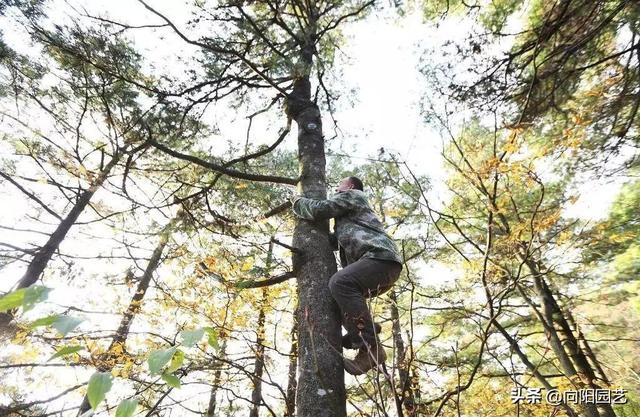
[
  {"x": 34, "y": 295},
  {"x": 570, "y": 70},
  {"x": 176, "y": 361},
  {"x": 99, "y": 385},
  {"x": 127, "y": 408},
  {"x": 44, "y": 321},
  {"x": 12, "y": 300},
  {"x": 62, "y": 323},
  {"x": 97, "y": 75},
  {"x": 65, "y": 324},
  {"x": 212, "y": 337},
  {"x": 93, "y": 53},
  {"x": 66, "y": 351},
  {"x": 614, "y": 241},
  {"x": 26, "y": 298},
  {"x": 494, "y": 16},
  {"x": 191, "y": 337},
  {"x": 171, "y": 380},
  {"x": 158, "y": 359},
  {"x": 438, "y": 9}
]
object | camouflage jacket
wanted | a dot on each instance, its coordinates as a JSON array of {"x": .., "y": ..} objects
[{"x": 358, "y": 231}]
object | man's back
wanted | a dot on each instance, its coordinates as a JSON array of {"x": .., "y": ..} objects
[
  {"x": 358, "y": 230},
  {"x": 361, "y": 233}
]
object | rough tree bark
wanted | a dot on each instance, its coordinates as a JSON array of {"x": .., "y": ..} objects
[{"x": 320, "y": 390}]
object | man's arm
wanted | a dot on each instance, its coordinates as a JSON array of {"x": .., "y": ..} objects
[{"x": 310, "y": 209}]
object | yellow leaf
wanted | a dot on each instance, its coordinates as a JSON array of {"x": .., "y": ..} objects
[{"x": 247, "y": 265}]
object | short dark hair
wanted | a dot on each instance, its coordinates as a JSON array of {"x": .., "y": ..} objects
[{"x": 357, "y": 183}]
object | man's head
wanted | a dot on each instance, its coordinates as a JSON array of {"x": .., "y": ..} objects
[{"x": 349, "y": 183}]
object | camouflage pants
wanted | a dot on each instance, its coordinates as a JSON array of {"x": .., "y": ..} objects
[{"x": 349, "y": 286}]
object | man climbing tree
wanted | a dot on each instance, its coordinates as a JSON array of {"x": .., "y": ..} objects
[{"x": 370, "y": 261}]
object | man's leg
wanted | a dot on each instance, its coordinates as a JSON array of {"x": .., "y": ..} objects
[{"x": 349, "y": 287}]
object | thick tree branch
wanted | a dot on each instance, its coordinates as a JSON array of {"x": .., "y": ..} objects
[
  {"x": 265, "y": 282},
  {"x": 221, "y": 169}
]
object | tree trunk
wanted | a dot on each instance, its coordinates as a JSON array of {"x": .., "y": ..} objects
[
  {"x": 290, "y": 400},
  {"x": 44, "y": 254},
  {"x": 530, "y": 366},
  {"x": 258, "y": 367},
  {"x": 406, "y": 390},
  {"x": 42, "y": 258},
  {"x": 217, "y": 376},
  {"x": 564, "y": 342},
  {"x": 109, "y": 359},
  {"x": 604, "y": 409},
  {"x": 600, "y": 374},
  {"x": 320, "y": 390}
]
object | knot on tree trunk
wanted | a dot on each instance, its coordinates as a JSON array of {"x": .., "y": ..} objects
[
  {"x": 300, "y": 98},
  {"x": 297, "y": 261}
]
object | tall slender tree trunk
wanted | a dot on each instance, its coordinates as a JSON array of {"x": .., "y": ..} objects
[
  {"x": 217, "y": 379},
  {"x": 258, "y": 366},
  {"x": 564, "y": 342},
  {"x": 108, "y": 360},
  {"x": 515, "y": 347},
  {"x": 290, "y": 399},
  {"x": 320, "y": 389},
  {"x": 406, "y": 389},
  {"x": 44, "y": 254},
  {"x": 586, "y": 348}
]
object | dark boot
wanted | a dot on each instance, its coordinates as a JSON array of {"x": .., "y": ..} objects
[
  {"x": 355, "y": 341},
  {"x": 368, "y": 357}
]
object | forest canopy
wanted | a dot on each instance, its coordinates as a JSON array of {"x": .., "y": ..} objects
[{"x": 151, "y": 264}]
